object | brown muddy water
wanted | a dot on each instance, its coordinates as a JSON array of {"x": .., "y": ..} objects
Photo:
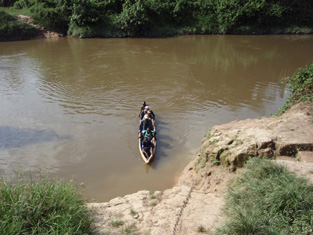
[{"x": 69, "y": 106}]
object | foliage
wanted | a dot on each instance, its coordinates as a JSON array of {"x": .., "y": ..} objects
[
  {"x": 300, "y": 86},
  {"x": 7, "y": 3},
  {"x": 234, "y": 14},
  {"x": 268, "y": 199},
  {"x": 117, "y": 223},
  {"x": 44, "y": 206},
  {"x": 51, "y": 14},
  {"x": 12, "y": 29},
  {"x": 85, "y": 13},
  {"x": 167, "y": 17},
  {"x": 134, "y": 19}
]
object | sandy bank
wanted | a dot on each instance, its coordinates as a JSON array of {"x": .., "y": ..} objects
[{"x": 195, "y": 202}]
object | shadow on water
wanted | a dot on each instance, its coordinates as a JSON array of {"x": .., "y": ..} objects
[
  {"x": 14, "y": 137},
  {"x": 5, "y": 67},
  {"x": 163, "y": 144}
]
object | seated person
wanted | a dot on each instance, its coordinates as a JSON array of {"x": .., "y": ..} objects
[
  {"x": 152, "y": 118},
  {"x": 147, "y": 147},
  {"x": 148, "y": 133},
  {"x": 142, "y": 108},
  {"x": 145, "y": 123},
  {"x": 145, "y": 111}
]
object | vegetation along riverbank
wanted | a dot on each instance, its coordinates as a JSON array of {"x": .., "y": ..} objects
[{"x": 138, "y": 18}]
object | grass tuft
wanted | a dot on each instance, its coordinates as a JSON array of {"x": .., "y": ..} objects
[
  {"x": 44, "y": 206},
  {"x": 117, "y": 223},
  {"x": 133, "y": 212},
  {"x": 201, "y": 229},
  {"x": 268, "y": 199}
]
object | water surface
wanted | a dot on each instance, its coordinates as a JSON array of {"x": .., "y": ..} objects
[{"x": 69, "y": 106}]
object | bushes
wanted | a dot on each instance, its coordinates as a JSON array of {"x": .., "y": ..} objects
[
  {"x": 133, "y": 19},
  {"x": 7, "y": 3},
  {"x": 11, "y": 29},
  {"x": 300, "y": 86},
  {"x": 85, "y": 13},
  {"x": 149, "y": 17},
  {"x": 268, "y": 199},
  {"x": 51, "y": 14},
  {"x": 42, "y": 207}
]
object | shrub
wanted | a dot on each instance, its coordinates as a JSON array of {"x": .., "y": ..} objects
[
  {"x": 12, "y": 29},
  {"x": 301, "y": 87},
  {"x": 44, "y": 206},
  {"x": 301, "y": 84},
  {"x": 134, "y": 19},
  {"x": 7, "y": 3},
  {"x": 268, "y": 199},
  {"x": 85, "y": 13}
]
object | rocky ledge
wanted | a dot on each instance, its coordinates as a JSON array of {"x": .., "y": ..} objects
[{"x": 194, "y": 205}]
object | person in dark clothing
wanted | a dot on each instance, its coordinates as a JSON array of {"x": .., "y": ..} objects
[
  {"x": 145, "y": 111},
  {"x": 142, "y": 108},
  {"x": 145, "y": 123},
  {"x": 148, "y": 133},
  {"x": 147, "y": 147}
]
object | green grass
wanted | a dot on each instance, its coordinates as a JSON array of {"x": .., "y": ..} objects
[
  {"x": 133, "y": 212},
  {"x": 117, "y": 223},
  {"x": 201, "y": 229},
  {"x": 15, "y": 12},
  {"x": 215, "y": 161},
  {"x": 300, "y": 86},
  {"x": 12, "y": 29},
  {"x": 44, "y": 206},
  {"x": 268, "y": 199},
  {"x": 130, "y": 230}
]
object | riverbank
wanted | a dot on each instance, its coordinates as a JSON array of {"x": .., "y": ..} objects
[
  {"x": 91, "y": 19},
  {"x": 195, "y": 203}
]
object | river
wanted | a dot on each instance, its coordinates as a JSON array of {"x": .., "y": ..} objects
[{"x": 69, "y": 106}]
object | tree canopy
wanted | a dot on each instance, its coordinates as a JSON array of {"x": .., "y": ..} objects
[{"x": 92, "y": 18}]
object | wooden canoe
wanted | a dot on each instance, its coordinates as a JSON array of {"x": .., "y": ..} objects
[{"x": 147, "y": 160}]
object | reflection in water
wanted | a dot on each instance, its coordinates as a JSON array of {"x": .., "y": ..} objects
[
  {"x": 92, "y": 89},
  {"x": 13, "y": 137}
]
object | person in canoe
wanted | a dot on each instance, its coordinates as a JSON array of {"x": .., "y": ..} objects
[
  {"x": 147, "y": 147},
  {"x": 142, "y": 108},
  {"x": 145, "y": 111},
  {"x": 148, "y": 133},
  {"x": 145, "y": 123}
]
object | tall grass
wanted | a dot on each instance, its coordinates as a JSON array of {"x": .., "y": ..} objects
[
  {"x": 268, "y": 199},
  {"x": 300, "y": 86},
  {"x": 44, "y": 206}
]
